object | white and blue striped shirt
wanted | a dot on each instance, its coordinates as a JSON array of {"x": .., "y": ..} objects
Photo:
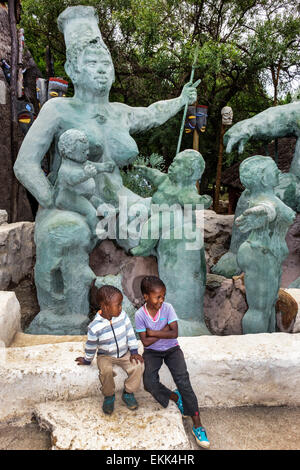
[{"x": 110, "y": 337}]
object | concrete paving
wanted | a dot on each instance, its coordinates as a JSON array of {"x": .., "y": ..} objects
[{"x": 246, "y": 428}]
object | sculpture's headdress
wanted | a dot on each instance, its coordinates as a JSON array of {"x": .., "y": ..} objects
[{"x": 79, "y": 24}]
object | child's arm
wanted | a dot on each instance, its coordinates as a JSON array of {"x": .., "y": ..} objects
[
  {"x": 169, "y": 332},
  {"x": 154, "y": 176},
  {"x": 132, "y": 341},
  {"x": 90, "y": 349},
  {"x": 105, "y": 167},
  {"x": 147, "y": 340}
]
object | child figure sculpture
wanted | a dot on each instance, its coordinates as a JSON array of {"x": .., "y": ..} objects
[
  {"x": 178, "y": 186},
  {"x": 261, "y": 255},
  {"x": 75, "y": 184}
]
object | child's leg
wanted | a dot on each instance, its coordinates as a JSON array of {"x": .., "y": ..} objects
[
  {"x": 106, "y": 375},
  {"x": 153, "y": 361},
  {"x": 134, "y": 370},
  {"x": 176, "y": 363}
]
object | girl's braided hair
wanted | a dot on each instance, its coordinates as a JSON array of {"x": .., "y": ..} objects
[{"x": 149, "y": 283}]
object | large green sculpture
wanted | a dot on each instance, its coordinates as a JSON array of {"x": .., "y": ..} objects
[
  {"x": 171, "y": 235},
  {"x": 274, "y": 122},
  {"x": 260, "y": 257},
  {"x": 63, "y": 232}
]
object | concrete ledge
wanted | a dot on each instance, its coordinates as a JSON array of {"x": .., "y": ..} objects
[{"x": 225, "y": 371}]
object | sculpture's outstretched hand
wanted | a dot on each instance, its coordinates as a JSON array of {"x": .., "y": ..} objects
[
  {"x": 189, "y": 92},
  {"x": 254, "y": 217},
  {"x": 90, "y": 170},
  {"x": 237, "y": 134}
]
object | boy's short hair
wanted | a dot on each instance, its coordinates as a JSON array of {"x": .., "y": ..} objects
[
  {"x": 106, "y": 293},
  {"x": 149, "y": 283}
]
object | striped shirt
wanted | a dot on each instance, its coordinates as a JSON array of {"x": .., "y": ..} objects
[{"x": 110, "y": 337}]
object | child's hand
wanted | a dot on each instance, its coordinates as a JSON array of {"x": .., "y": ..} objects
[
  {"x": 81, "y": 361},
  {"x": 136, "y": 357},
  {"x": 90, "y": 170}
]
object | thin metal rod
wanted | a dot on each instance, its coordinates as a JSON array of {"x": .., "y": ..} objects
[{"x": 186, "y": 106}]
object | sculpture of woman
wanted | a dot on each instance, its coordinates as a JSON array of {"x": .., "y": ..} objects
[
  {"x": 260, "y": 257},
  {"x": 63, "y": 238}
]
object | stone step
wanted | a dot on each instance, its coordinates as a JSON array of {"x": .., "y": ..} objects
[{"x": 82, "y": 425}]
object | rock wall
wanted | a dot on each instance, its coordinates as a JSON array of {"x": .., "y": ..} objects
[
  {"x": 17, "y": 252},
  {"x": 217, "y": 235}
]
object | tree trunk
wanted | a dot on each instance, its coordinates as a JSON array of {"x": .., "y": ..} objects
[{"x": 49, "y": 63}]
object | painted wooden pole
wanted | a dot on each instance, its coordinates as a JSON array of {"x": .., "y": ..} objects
[
  {"x": 196, "y": 146},
  {"x": 13, "y": 100},
  {"x": 219, "y": 169}
]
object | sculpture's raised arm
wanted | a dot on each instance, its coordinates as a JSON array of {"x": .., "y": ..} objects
[
  {"x": 278, "y": 121},
  {"x": 153, "y": 175},
  {"x": 142, "y": 119},
  {"x": 256, "y": 217},
  {"x": 27, "y": 167}
]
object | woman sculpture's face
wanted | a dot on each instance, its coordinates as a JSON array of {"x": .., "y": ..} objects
[{"x": 96, "y": 70}]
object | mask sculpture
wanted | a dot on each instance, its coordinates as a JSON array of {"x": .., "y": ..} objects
[
  {"x": 57, "y": 87},
  {"x": 260, "y": 256},
  {"x": 64, "y": 230},
  {"x": 227, "y": 115},
  {"x": 201, "y": 117},
  {"x": 26, "y": 115},
  {"x": 41, "y": 91},
  {"x": 196, "y": 118}
]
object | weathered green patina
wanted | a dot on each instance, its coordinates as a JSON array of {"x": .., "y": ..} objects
[
  {"x": 173, "y": 237},
  {"x": 63, "y": 234},
  {"x": 260, "y": 256},
  {"x": 274, "y": 122}
]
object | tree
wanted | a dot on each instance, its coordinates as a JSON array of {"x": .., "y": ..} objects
[{"x": 152, "y": 43}]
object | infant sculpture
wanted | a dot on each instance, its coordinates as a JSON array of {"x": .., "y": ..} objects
[
  {"x": 99, "y": 131},
  {"x": 260, "y": 257}
]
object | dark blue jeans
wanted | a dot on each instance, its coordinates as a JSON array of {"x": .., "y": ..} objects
[{"x": 174, "y": 360}]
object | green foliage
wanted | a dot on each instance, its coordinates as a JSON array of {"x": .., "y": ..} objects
[
  {"x": 133, "y": 179},
  {"x": 245, "y": 47}
]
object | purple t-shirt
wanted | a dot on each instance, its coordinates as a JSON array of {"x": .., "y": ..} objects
[{"x": 164, "y": 316}]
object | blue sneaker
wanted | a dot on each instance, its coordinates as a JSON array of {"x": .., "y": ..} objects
[
  {"x": 108, "y": 404},
  {"x": 179, "y": 403},
  {"x": 201, "y": 437},
  {"x": 129, "y": 400}
]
